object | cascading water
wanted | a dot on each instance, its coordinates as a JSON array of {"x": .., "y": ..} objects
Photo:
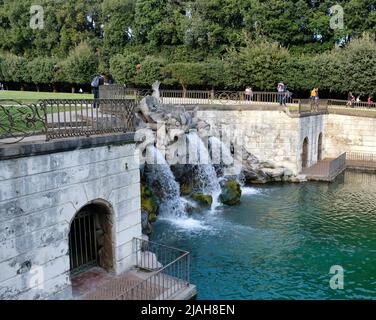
[
  {"x": 161, "y": 174},
  {"x": 220, "y": 152},
  {"x": 221, "y": 155},
  {"x": 198, "y": 154}
]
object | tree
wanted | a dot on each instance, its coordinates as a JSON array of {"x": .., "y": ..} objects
[
  {"x": 123, "y": 67},
  {"x": 185, "y": 74},
  {"x": 42, "y": 71},
  {"x": 118, "y": 25},
  {"x": 216, "y": 73},
  {"x": 358, "y": 67},
  {"x": 159, "y": 22},
  {"x": 213, "y": 24},
  {"x": 150, "y": 71},
  {"x": 15, "y": 69},
  {"x": 261, "y": 65},
  {"x": 80, "y": 66},
  {"x": 285, "y": 22}
]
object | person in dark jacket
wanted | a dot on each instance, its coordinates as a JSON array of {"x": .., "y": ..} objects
[{"x": 97, "y": 81}]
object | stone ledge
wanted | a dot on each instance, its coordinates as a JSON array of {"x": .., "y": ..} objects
[{"x": 34, "y": 148}]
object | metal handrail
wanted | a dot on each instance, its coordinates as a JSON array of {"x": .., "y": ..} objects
[
  {"x": 360, "y": 159},
  {"x": 61, "y": 118},
  {"x": 187, "y": 97},
  {"x": 347, "y": 104},
  {"x": 337, "y": 165},
  {"x": 19, "y": 120},
  {"x": 165, "y": 280}
]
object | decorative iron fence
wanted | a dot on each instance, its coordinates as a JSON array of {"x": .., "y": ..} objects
[
  {"x": 20, "y": 120},
  {"x": 65, "y": 118},
  {"x": 169, "y": 271}
]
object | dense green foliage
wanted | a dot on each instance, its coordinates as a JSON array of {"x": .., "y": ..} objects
[{"x": 192, "y": 44}]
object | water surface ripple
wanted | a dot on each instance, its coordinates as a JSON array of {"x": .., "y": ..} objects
[{"x": 281, "y": 241}]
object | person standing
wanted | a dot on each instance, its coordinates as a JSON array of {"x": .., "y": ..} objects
[
  {"x": 281, "y": 91},
  {"x": 316, "y": 99},
  {"x": 350, "y": 99},
  {"x": 248, "y": 93},
  {"x": 97, "y": 81},
  {"x": 312, "y": 97},
  {"x": 369, "y": 102}
]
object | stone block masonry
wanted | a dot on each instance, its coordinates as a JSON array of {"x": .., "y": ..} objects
[
  {"x": 270, "y": 135},
  {"x": 350, "y": 133},
  {"x": 42, "y": 188}
]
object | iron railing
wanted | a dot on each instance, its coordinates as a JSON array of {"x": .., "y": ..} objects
[
  {"x": 308, "y": 105},
  {"x": 349, "y": 104},
  {"x": 169, "y": 271},
  {"x": 121, "y": 92},
  {"x": 337, "y": 165},
  {"x": 360, "y": 160},
  {"x": 19, "y": 120},
  {"x": 83, "y": 252},
  {"x": 60, "y": 118},
  {"x": 187, "y": 97},
  {"x": 328, "y": 169},
  {"x": 67, "y": 118},
  {"x": 228, "y": 97}
]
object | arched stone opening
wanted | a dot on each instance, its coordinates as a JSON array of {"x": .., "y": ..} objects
[
  {"x": 305, "y": 153},
  {"x": 319, "y": 147},
  {"x": 91, "y": 239}
]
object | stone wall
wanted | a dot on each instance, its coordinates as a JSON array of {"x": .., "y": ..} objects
[
  {"x": 270, "y": 135},
  {"x": 311, "y": 127},
  {"x": 39, "y": 197},
  {"x": 349, "y": 133}
]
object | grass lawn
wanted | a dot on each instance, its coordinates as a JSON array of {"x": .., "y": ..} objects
[{"x": 31, "y": 96}]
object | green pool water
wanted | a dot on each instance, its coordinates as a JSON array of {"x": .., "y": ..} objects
[{"x": 282, "y": 240}]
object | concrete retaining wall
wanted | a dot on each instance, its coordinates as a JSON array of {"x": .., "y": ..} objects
[
  {"x": 349, "y": 133},
  {"x": 270, "y": 135},
  {"x": 39, "y": 197}
]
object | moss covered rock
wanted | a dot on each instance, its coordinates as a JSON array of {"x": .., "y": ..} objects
[
  {"x": 149, "y": 201},
  {"x": 186, "y": 188},
  {"x": 152, "y": 217},
  {"x": 205, "y": 200},
  {"x": 231, "y": 193}
]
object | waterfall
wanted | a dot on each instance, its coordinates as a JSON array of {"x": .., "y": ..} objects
[
  {"x": 198, "y": 154},
  {"x": 220, "y": 152},
  {"x": 161, "y": 174},
  {"x": 221, "y": 155}
]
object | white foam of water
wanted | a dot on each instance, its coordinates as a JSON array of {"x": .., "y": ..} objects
[
  {"x": 206, "y": 173},
  {"x": 161, "y": 172},
  {"x": 251, "y": 190},
  {"x": 187, "y": 223},
  {"x": 220, "y": 152}
]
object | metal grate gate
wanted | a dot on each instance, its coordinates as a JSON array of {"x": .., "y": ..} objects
[{"x": 83, "y": 251}]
